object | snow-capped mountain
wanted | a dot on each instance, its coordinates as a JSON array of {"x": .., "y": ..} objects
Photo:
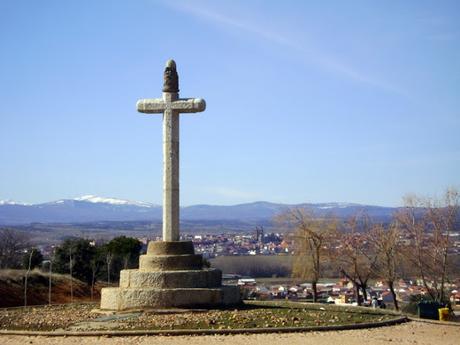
[
  {"x": 91, "y": 208},
  {"x": 112, "y": 201},
  {"x": 87, "y": 208}
]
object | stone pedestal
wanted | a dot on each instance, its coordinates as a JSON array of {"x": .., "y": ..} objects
[{"x": 170, "y": 275}]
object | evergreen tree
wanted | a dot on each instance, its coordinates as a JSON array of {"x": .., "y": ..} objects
[
  {"x": 35, "y": 261},
  {"x": 82, "y": 255},
  {"x": 123, "y": 252}
]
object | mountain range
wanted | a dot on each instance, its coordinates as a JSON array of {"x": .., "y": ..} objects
[{"x": 90, "y": 208}]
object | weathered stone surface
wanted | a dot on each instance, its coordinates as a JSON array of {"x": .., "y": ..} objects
[
  {"x": 230, "y": 294},
  {"x": 167, "y": 281},
  {"x": 210, "y": 278},
  {"x": 171, "y": 106},
  {"x": 149, "y": 263},
  {"x": 158, "y": 105},
  {"x": 135, "y": 298},
  {"x": 170, "y": 170},
  {"x": 170, "y": 248},
  {"x": 110, "y": 298},
  {"x": 170, "y": 77},
  {"x": 170, "y": 274}
]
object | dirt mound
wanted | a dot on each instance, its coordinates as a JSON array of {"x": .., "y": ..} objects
[{"x": 12, "y": 288}]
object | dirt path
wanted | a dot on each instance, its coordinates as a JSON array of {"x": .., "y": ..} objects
[{"x": 408, "y": 333}]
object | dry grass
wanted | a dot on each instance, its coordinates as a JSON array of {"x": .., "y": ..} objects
[{"x": 12, "y": 288}]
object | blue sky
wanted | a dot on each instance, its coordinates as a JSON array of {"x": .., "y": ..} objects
[{"x": 307, "y": 101}]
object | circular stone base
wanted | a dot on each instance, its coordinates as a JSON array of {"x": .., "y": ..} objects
[
  {"x": 145, "y": 297},
  {"x": 205, "y": 278},
  {"x": 170, "y": 248},
  {"x": 150, "y": 263}
]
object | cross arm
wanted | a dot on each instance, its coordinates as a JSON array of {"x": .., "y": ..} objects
[
  {"x": 189, "y": 105},
  {"x": 151, "y": 105}
]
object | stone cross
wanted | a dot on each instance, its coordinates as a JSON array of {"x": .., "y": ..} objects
[{"x": 171, "y": 106}]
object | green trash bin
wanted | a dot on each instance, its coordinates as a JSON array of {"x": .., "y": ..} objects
[{"x": 429, "y": 310}]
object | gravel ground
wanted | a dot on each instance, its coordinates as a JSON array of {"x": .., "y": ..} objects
[
  {"x": 46, "y": 318},
  {"x": 81, "y": 318},
  {"x": 408, "y": 333}
]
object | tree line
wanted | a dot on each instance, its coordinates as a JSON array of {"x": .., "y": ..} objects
[
  {"x": 75, "y": 256},
  {"x": 419, "y": 236},
  {"x": 416, "y": 243}
]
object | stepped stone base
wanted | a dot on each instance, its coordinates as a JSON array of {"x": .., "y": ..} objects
[
  {"x": 169, "y": 275},
  {"x": 149, "y": 263},
  {"x": 140, "y": 298},
  {"x": 211, "y": 278}
]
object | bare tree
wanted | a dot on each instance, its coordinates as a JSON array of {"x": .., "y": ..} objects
[
  {"x": 429, "y": 224},
  {"x": 126, "y": 261},
  {"x": 386, "y": 244},
  {"x": 442, "y": 219},
  {"x": 50, "y": 274},
  {"x": 12, "y": 246},
  {"x": 95, "y": 265},
  {"x": 108, "y": 260},
  {"x": 71, "y": 276},
  {"x": 27, "y": 276},
  {"x": 312, "y": 238},
  {"x": 355, "y": 256}
]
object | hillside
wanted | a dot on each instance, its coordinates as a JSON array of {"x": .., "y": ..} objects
[{"x": 12, "y": 288}]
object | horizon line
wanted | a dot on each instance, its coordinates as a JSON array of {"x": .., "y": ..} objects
[{"x": 4, "y": 202}]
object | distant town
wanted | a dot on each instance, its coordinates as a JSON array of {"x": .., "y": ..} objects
[
  {"x": 258, "y": 243},
  {"x": 395, "y": 258}
]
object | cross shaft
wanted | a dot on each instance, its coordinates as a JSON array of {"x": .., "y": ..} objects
[{"x": 171, "y": 106}]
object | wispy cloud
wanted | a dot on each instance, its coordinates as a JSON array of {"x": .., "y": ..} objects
[{"x": 310, "y": 54}]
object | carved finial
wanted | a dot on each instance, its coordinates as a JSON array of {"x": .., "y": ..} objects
[{"x": 170, "y": 77}]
